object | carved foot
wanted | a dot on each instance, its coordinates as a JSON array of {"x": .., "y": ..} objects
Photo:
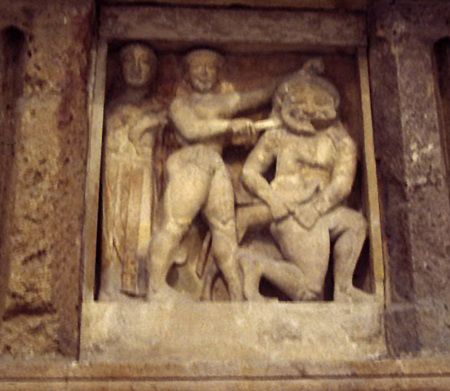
[{"x": 352, "y": 295}]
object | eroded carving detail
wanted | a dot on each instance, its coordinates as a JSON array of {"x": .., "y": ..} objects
[
  {"x": 315, "y": 169},
  {"x": 303, "y": 204},
  {"x": 132, "y": 122}
]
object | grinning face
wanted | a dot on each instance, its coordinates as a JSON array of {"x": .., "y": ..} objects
[
  {"x": 307, "y": 105},
  {"x": 202, "y": 70},
  {"x": 138, "y": 65}
]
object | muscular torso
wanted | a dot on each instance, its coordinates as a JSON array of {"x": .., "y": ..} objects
[
  {"x": 200, "y": 110},
  {"x": 304, "y": 164}
]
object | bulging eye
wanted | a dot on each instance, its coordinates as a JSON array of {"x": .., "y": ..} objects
[
  {"x": 320, "y": 100},
  {"x": 323, "y": 100},
  {"x": 298, "y": 100}
]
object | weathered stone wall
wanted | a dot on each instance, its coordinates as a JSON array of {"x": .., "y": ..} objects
[
  {"x": 412, "y": 173},
  {"x": 43, "y": 145},
  {"x": 44, "y": 204}
]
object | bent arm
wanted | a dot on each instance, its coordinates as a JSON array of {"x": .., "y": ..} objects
[
  {"x": 147, "y": 124},
  {"x": 342, "y": 177},
  {"x": 257, "y": 163}
]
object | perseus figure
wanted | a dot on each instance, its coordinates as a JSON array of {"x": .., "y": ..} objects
[
  {"x": 315, "y": 168},
  {"x": 132, "y": 121},
  {"x": 197, "y": 178}
]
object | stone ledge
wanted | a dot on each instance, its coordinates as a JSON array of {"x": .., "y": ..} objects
[
  {"x": 409, "y": 384},
  {"x": 157, "y": 371},
  {"x": 240, "y": 29},
  {"x": 262, "y": 333}
]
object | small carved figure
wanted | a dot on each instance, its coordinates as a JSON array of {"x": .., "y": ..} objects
[
  {"x": 132, "y": 121},
  {"x": 315, "y": 169},
  {"x": 198, "y": 180}
]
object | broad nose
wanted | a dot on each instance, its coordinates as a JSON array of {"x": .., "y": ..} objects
[
  {"x": 309, "y": 107},
  {"x": 136, "y": 67},
  {"x": 206, "y": 71}
]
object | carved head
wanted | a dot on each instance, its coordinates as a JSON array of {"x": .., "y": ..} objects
[
  {"x": 306, "y": 100},
  {"x": 202, "y": 68},
  {"x": 138, "y": 64}
]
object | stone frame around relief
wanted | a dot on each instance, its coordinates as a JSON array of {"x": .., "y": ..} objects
[{"x": 260, "y": 331}]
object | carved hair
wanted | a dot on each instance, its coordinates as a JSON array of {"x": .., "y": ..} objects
[
  {"x": 215, "y": 56},
  {"x": 310, "y": 73},
  {"x": 132, "y": 46}
]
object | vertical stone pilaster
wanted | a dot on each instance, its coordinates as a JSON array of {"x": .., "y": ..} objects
[
  {"x": 413, "y": 173},
  {"x": 42, "y": 242}
]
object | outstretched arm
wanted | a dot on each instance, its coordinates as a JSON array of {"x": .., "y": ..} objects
[
  {"x": 236, "y": 102},
  {"x": 194, "y": 128},
  {"x": 191, "y": 126}
]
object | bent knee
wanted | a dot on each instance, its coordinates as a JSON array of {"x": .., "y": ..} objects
[
  {"x": 350, "y": 220},
  {"x": 174, "y": 162},
  {"x": 221, "y": 225},
  {"x": 360, "y": 224},
  {"x": 174, "y": 228}
]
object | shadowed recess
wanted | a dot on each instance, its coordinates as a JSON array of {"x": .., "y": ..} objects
[{"x": 12, "y": 49}]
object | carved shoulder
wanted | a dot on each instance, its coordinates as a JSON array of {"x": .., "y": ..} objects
[
  {"x": 342, "y": 141},
  {"x": 180, "y": 113},
  {"x": 271, "y": 139}
]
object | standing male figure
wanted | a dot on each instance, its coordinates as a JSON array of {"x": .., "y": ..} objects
[
  {"x": 315, "y": 168},
  {"x": 198, "y": 180}
]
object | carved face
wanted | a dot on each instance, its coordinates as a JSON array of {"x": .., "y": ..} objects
[
  {"x": 203, "y": 70},
  {"x": 306, "y": 105},
  {"x": 138, "y": 65}
]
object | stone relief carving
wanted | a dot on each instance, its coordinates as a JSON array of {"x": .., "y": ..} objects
[
  {"x": 198, "y": 180},
  {"x": 315, "y": 169},
  {"x": 128, "y": 187},
  {"x": 315, "y": 158}
]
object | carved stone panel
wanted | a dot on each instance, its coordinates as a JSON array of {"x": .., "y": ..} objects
[{"x": 244, "y": 177}]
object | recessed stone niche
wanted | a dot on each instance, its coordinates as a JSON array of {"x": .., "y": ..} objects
[
  {"x": 442, "y": 69},
  {"x": 232, "y": 204},
  {"x": 12, "y": 49}
]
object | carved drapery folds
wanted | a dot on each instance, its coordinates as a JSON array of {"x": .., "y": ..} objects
[{"x": 238, "y": 196}]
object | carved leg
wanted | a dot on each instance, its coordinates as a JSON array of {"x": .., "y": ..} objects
[
  {"x": 219, "y": 212},
  {"x": 210, "y": 274},
  {"x": 249, "y": 216},
  {"x": 349, "y": 227},
  {"x": 252, "y": 272},
  {"x": 186, "y": 191},
  {"x": 163, "y": 245},
  {"x": 308, "y": 251},
  {"x": 285, "y": 276}
]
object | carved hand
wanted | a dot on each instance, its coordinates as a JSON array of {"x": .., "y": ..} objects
[
  {"x": 149, "y": 122},
  {"x": 306, "y": 215},
  {"x": 242, "y": 126},
  {"x": 278, "y": 209}
]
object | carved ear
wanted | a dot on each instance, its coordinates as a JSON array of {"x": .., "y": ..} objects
[{"x": 314, "y": 66}]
